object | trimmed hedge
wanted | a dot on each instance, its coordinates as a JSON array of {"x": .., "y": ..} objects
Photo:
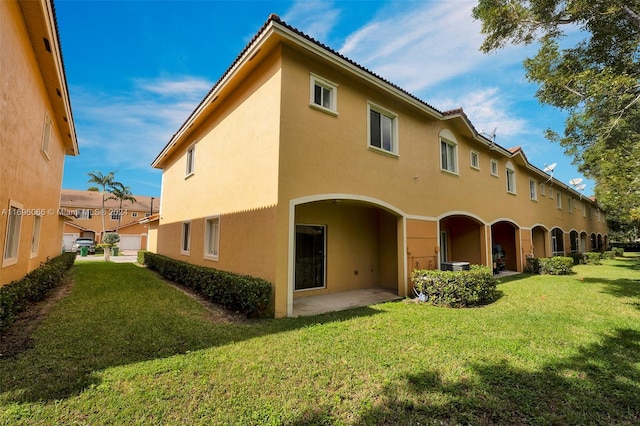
[
  {"x": 15, "y": 296},
  {"x": 241, "y": 293},
  {"x": 458, "y": 289},
  {"x": 558, "y": 265},
  {"x": 140, "y": 259},
  {"x": 592, "y": 258}
]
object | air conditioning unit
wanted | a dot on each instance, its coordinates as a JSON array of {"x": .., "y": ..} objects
[{"x": 454, "y": 266}]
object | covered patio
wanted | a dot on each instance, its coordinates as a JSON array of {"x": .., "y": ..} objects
[{"x": 315, "y": 305}]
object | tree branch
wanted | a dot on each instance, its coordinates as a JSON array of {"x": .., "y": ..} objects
[{"x": 632, "y": 16}]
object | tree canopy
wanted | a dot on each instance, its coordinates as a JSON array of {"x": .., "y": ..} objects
[{"x": 588, "y": 64}]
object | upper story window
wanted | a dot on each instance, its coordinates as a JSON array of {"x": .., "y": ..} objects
[
  {"x": 324, "y": 94},
  {"x": 494, "y": 167},
  {"x": 448, "y": 152},
  {"x": 115, "y": 214},
  {"x": 542, "y": 188},
  {"x": 559, "y": 200},
  {"x": 584, "y": 210},
  {"x": 533, "y": 189},
  {"x": 570, "y": 204},
  {"x": 84, "y": 214},
  {"x": 46, "y": 134},
  {"x": 134, "y": 214},
  {"x": 474, "y": 160},
  {"x": 383, "y": 129},
  {"x": 551, "y": 193},
  {"x": 191, "y": 161},
  {"x": 511, "y": 178}
]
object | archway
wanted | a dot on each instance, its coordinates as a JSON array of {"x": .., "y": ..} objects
[
  {"x": 557, "y": 242},
  {"x": 505, "y": 246},
  {"x": 462, "y": 240},
  {"x": 574, "y": 241},
  {"x": 539, "y": 239}
]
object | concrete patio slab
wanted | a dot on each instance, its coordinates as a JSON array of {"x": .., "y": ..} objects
[{"x": 314, "y": 305}]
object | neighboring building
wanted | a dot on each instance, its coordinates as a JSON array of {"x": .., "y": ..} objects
[
  {"x": 303, "y": 168},
  {"x": 36, "y": 132},
  {"x": 86, "y": 221}
]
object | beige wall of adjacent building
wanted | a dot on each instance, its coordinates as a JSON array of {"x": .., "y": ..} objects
[{"x": 30, "y": 169}]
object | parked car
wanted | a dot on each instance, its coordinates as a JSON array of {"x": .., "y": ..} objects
[{"x": 84, "y": 242}]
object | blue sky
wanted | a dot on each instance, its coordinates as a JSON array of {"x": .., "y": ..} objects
[{"x": 137, "y": 69}]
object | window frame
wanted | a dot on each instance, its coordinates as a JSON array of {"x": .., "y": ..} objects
[
  {"x": 510, "y": 172},
  {"x": 542, "y": 189},
  {"x": 35, "y": 235},
  {"x": 84, "y": 214},
  {"x": 190, "y": 161},
  {"x": 185, "y": 238},
  {"x": 47, "y": 129},
  {"x": 570, "y": 204},
  {"x": 13, "y": 230},
  {"x": 316, "y": 80},
  {"x": 559, "y": 201},
  {"x": 393, "y": 117},
  {"x": 533, "y": 189},
  {"x": 475, "y": 154},
  {"x": 450, "y": 146},
  {"x": 215, "y": 255},
  {"x": 494, "y": 168}
]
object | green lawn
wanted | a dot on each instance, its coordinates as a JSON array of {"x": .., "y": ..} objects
[{"x": 126, "y": 348}]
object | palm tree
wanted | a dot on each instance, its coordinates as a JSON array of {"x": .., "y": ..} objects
[
  {"x": 122, "y": 193},
  {"x": 103, "y": 182}
]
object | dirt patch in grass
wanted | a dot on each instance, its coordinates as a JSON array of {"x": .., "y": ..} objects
[{"x": 17, "y": 338}]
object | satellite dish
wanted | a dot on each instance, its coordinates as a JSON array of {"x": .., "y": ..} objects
[
  {"x": 576, "y": 182},
  {"x": 550, "y": 167}
]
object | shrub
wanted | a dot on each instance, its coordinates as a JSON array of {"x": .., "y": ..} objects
[
  {"x": 609, "y": 255},
  {"x": 458, "y": 289},
  {"x": 140, "y": 259},
  {"x": 618, "y": 251},
  {"x": 532, "y": 266},
  {"x": 240, "y": 293},
  {"x": 578, "y": 258},
  {"x": 592, "y": 258},
  {"x": 558, "y": 265},
  {"x": 15, "y": 296}
]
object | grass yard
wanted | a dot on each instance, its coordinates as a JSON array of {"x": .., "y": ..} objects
[{"x": 123, "y": 347}]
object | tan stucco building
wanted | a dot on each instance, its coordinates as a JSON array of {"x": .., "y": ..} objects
[
  {"x": 36, "y": 132},
  {"x": 303, "y": 168},
  {"x": 127, "y": 218}
]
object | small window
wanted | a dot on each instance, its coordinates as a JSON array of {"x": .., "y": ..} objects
[
  {"x": 147, "y": 214},
  {"x": 511, "y": 178},
  {"x": 475, "y": 160},
  {"x": 134, "y": 214},
  {"x": 35, "y": 235},
  {"x": 542, "y": 188},
  {"x": 212, "y": 237},
  {"x": 12, "y": 239},
  {"x": 584, "y": 210},
  {"x": 570, "y": 204},
  {"x": 494, "y": 167},
  {"x": 559, "y": 200},
  {"x": 186, "y": 238},
  {"x": 324, "y": 94},
  {"x": 551, "y": 193},
  {"x": 448, "y": 156},
  {"x": 46, "y": 134},
  {"x": 115, "y": 215},
  {"x": 383, "y": 129},
  {"x": 84, "y": 214},
  {"x": 191, "y": 160},
  {"x": 533, "y": 189}
]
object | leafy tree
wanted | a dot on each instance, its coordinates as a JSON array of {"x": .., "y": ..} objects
[
  {"x": 103, "y": 182},
  {"x": 596, "y": 80},
  {"x": 120, "y": 193}
]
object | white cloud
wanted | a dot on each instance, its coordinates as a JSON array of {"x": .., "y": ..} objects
[
  {"x": 314, "y": 18},
  {"x": 129, "y": 129}
]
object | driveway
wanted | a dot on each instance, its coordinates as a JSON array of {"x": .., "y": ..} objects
[{"x": 125, "y": 258}]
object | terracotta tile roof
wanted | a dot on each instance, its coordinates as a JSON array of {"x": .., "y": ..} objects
[{"x": 92, "y": 199}]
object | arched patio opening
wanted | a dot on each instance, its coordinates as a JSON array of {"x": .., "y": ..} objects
[
  {"x": 594, "y": 242},
  {"x": 557, "y": 242},
  {"x": 343, "y": 245},
  {"x": 539, "y": 237},
  {"x": 583, "y": 242},
  {"x": 462, "y": 240},
  {"x": 601, "y": 246},
  {"x": 505, "y": 246}
]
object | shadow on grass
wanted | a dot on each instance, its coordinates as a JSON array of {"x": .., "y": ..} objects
[
  {"x": 599, "y": 385},
  {"x": 127, "y": 316}
]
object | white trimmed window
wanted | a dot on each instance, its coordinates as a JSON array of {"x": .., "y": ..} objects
[
  {"x": 533, "y": 189},
  {"x": 383, "y": 129},
  {"x": 584, "y": 210},
  {"x": 474, "y": 160},
  {"x": 83, "y": 214},
  {"x": 559, "y": 200},
  {"x": 46, "y": 134},
  {"x": 324, "y": 94},
  {"x": 551, "y": 193},
  {"x": 35, "y": 235},
  {"x": 570, "y": 204},
  {"x": 494, "y": 167},
  {"x": 448, "y": 151},
  {"x": 191, "y": 161},
  {"x": 212, "y": 237},
  {"x": 511, "y": 178},
  {"x": 12, "y": 239},
  {"x": 134, "y": 214},
  {"x": 115, "y": 215},
  {"x": 542, "y": 188},
  {"x": 185, "y": 240}
]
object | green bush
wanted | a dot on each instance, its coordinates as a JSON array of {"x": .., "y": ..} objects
[
  {"x": 592, "y": 258},
  {"x": 578, "y": 258},
  {"x": 558, "y": 265},
  {"x": 241, "y": 293},
  {"x": 609, "y": 255},
  {"x": 141, "y": 256},
  {"x": 457, "y": 289},
  {"x": 15, "y": 296},
  {"x": 532, "y": 266},
  {"x": 618, "y": 251}
]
